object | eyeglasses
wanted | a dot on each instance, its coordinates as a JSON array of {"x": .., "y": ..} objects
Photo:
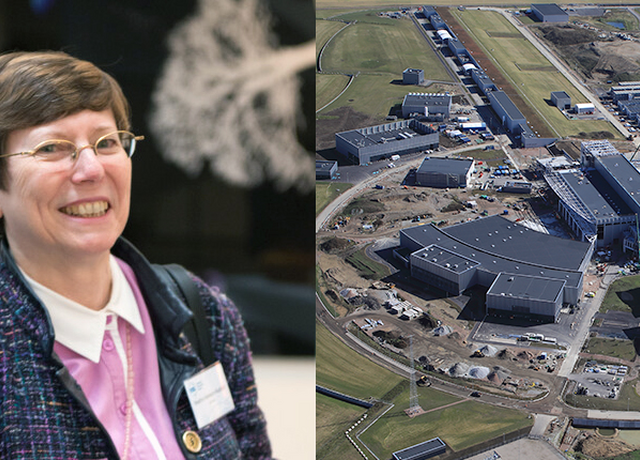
[{"x": 59, "y": 149}]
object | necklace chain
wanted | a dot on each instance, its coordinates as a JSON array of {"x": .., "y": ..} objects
[{"x": 129, "y": 392}]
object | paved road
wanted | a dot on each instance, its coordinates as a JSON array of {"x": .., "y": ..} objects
[
  {"x": 358, "y": 188},
  {"x": 590, "y": 307}
]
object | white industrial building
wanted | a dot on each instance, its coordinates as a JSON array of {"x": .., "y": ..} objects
[{"x": 585, "y": 108}]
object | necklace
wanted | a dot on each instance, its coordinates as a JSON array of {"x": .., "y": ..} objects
[{"x": 130, "y": 395}]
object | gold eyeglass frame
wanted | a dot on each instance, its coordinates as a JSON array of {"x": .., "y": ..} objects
[{"x": 75, "y": 153}]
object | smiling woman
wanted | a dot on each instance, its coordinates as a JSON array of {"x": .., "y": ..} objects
[{"x": 94, "y": 362}]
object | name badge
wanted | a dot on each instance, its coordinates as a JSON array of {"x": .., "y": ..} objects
[{"x": 209, "y": 395}]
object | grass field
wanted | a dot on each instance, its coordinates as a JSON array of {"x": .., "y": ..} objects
[
  {"x": 460, "y": 426},
  {"x": 630, "y": 286},
  {"x": 326, "y": 192},
  {"x": 629, "y": 20},
  {"x": 342, "y": 369},
  {"x": 328, "y": 87},
  {"x": 623, "y": 349},
  {"x": 373, "y": 47},
  {"x": 377, "y": 50},
  {"x": 333, "y": 418},
  {"x": 374, "y": 94},
  {"x": 368, "y": 268},
  {"x": 325, "y": 30},
  {"x": 528, "y": 70}
]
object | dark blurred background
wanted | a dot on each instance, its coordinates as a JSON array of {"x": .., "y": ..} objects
[{"x": 257, "y": 243}]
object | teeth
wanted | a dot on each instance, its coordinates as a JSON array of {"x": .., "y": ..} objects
[{"x": 95, "y": 209}]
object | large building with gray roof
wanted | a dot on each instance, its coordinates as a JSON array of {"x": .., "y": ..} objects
[
  {"x": 373, "y": 143},
  {"x": 433, "y": 106},
  {"x": 444, "y": 172},
  {"x": 600, "y": 201},
  {"x": 507, "y": 112},
  {"x": 549, "y": 12},
  {"x": 547, "y": 271}
]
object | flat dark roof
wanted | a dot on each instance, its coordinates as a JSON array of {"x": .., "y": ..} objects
[
  {"x": 374, "y": 135},
  {"x": 527, "y": 287},
  {"x": 427, "y": 99},
  {"x": 608, "y": 193},
  {"x": 507, "y": 104},
  {"x": 421, "y": 450},
  {"x": 446, "y": 259},
  {"x": 549, "y": 8},
  {"x": 325, "y": 164},
  {"x": 625, "y": 174},
  {"x": 498, "y": 235},
  {"x": 502, "y": 246},
  {"x": 445, "y": 165},
  {"x": 588, "y": 194}
]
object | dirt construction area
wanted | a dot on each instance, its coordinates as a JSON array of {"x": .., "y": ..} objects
[
  {"x": 600, "y": 56},
  {"x": 360, "y": 276}
]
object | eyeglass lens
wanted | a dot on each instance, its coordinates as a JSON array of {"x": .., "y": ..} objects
[{"x": 110, "y": 144}]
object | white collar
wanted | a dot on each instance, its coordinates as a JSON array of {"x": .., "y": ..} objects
[{"x": 82, "y": 329}]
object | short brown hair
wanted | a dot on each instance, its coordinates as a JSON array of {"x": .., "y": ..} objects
[{"x": 41, "y": 87}]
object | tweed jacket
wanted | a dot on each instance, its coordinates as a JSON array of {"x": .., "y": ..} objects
[{"x": 43, "y": 412}]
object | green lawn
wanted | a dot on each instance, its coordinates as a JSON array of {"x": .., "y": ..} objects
[
  {"x": 325, "y": 30},
  {"x": 531, "y": 74},
  {"x": 389, "y": 48},
  {"x": 460, "y": 426},
  {"x": 326, "y": 192},
  {"x": 328, "y": 86},
  {"x": 340, "y": 368},
  {"x": 368, "y": 268},
  {"x": 623, "y": 349},
  {"x": 375, "y": 95},
  {"x": 623, "y": 295},
  {"x": 377, "y": 50},
  {"x": 333, "y": 418}
]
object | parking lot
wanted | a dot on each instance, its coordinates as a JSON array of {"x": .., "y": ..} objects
[
  {"x": 506, "y": 330},
  {"x": 600, "y": 380}
]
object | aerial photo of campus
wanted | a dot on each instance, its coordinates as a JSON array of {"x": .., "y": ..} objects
[{"x": 477, "y": 229}]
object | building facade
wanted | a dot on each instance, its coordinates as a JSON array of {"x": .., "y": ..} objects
[
  {"x": 549, "y": 12},
  {"x": 413, "y": 77},
  {"x": 445, "y": 172},
  {"x": 561, "y": 100},
  {"x": 433, "y": 106},
  {"x": 365, "y": 145}
]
